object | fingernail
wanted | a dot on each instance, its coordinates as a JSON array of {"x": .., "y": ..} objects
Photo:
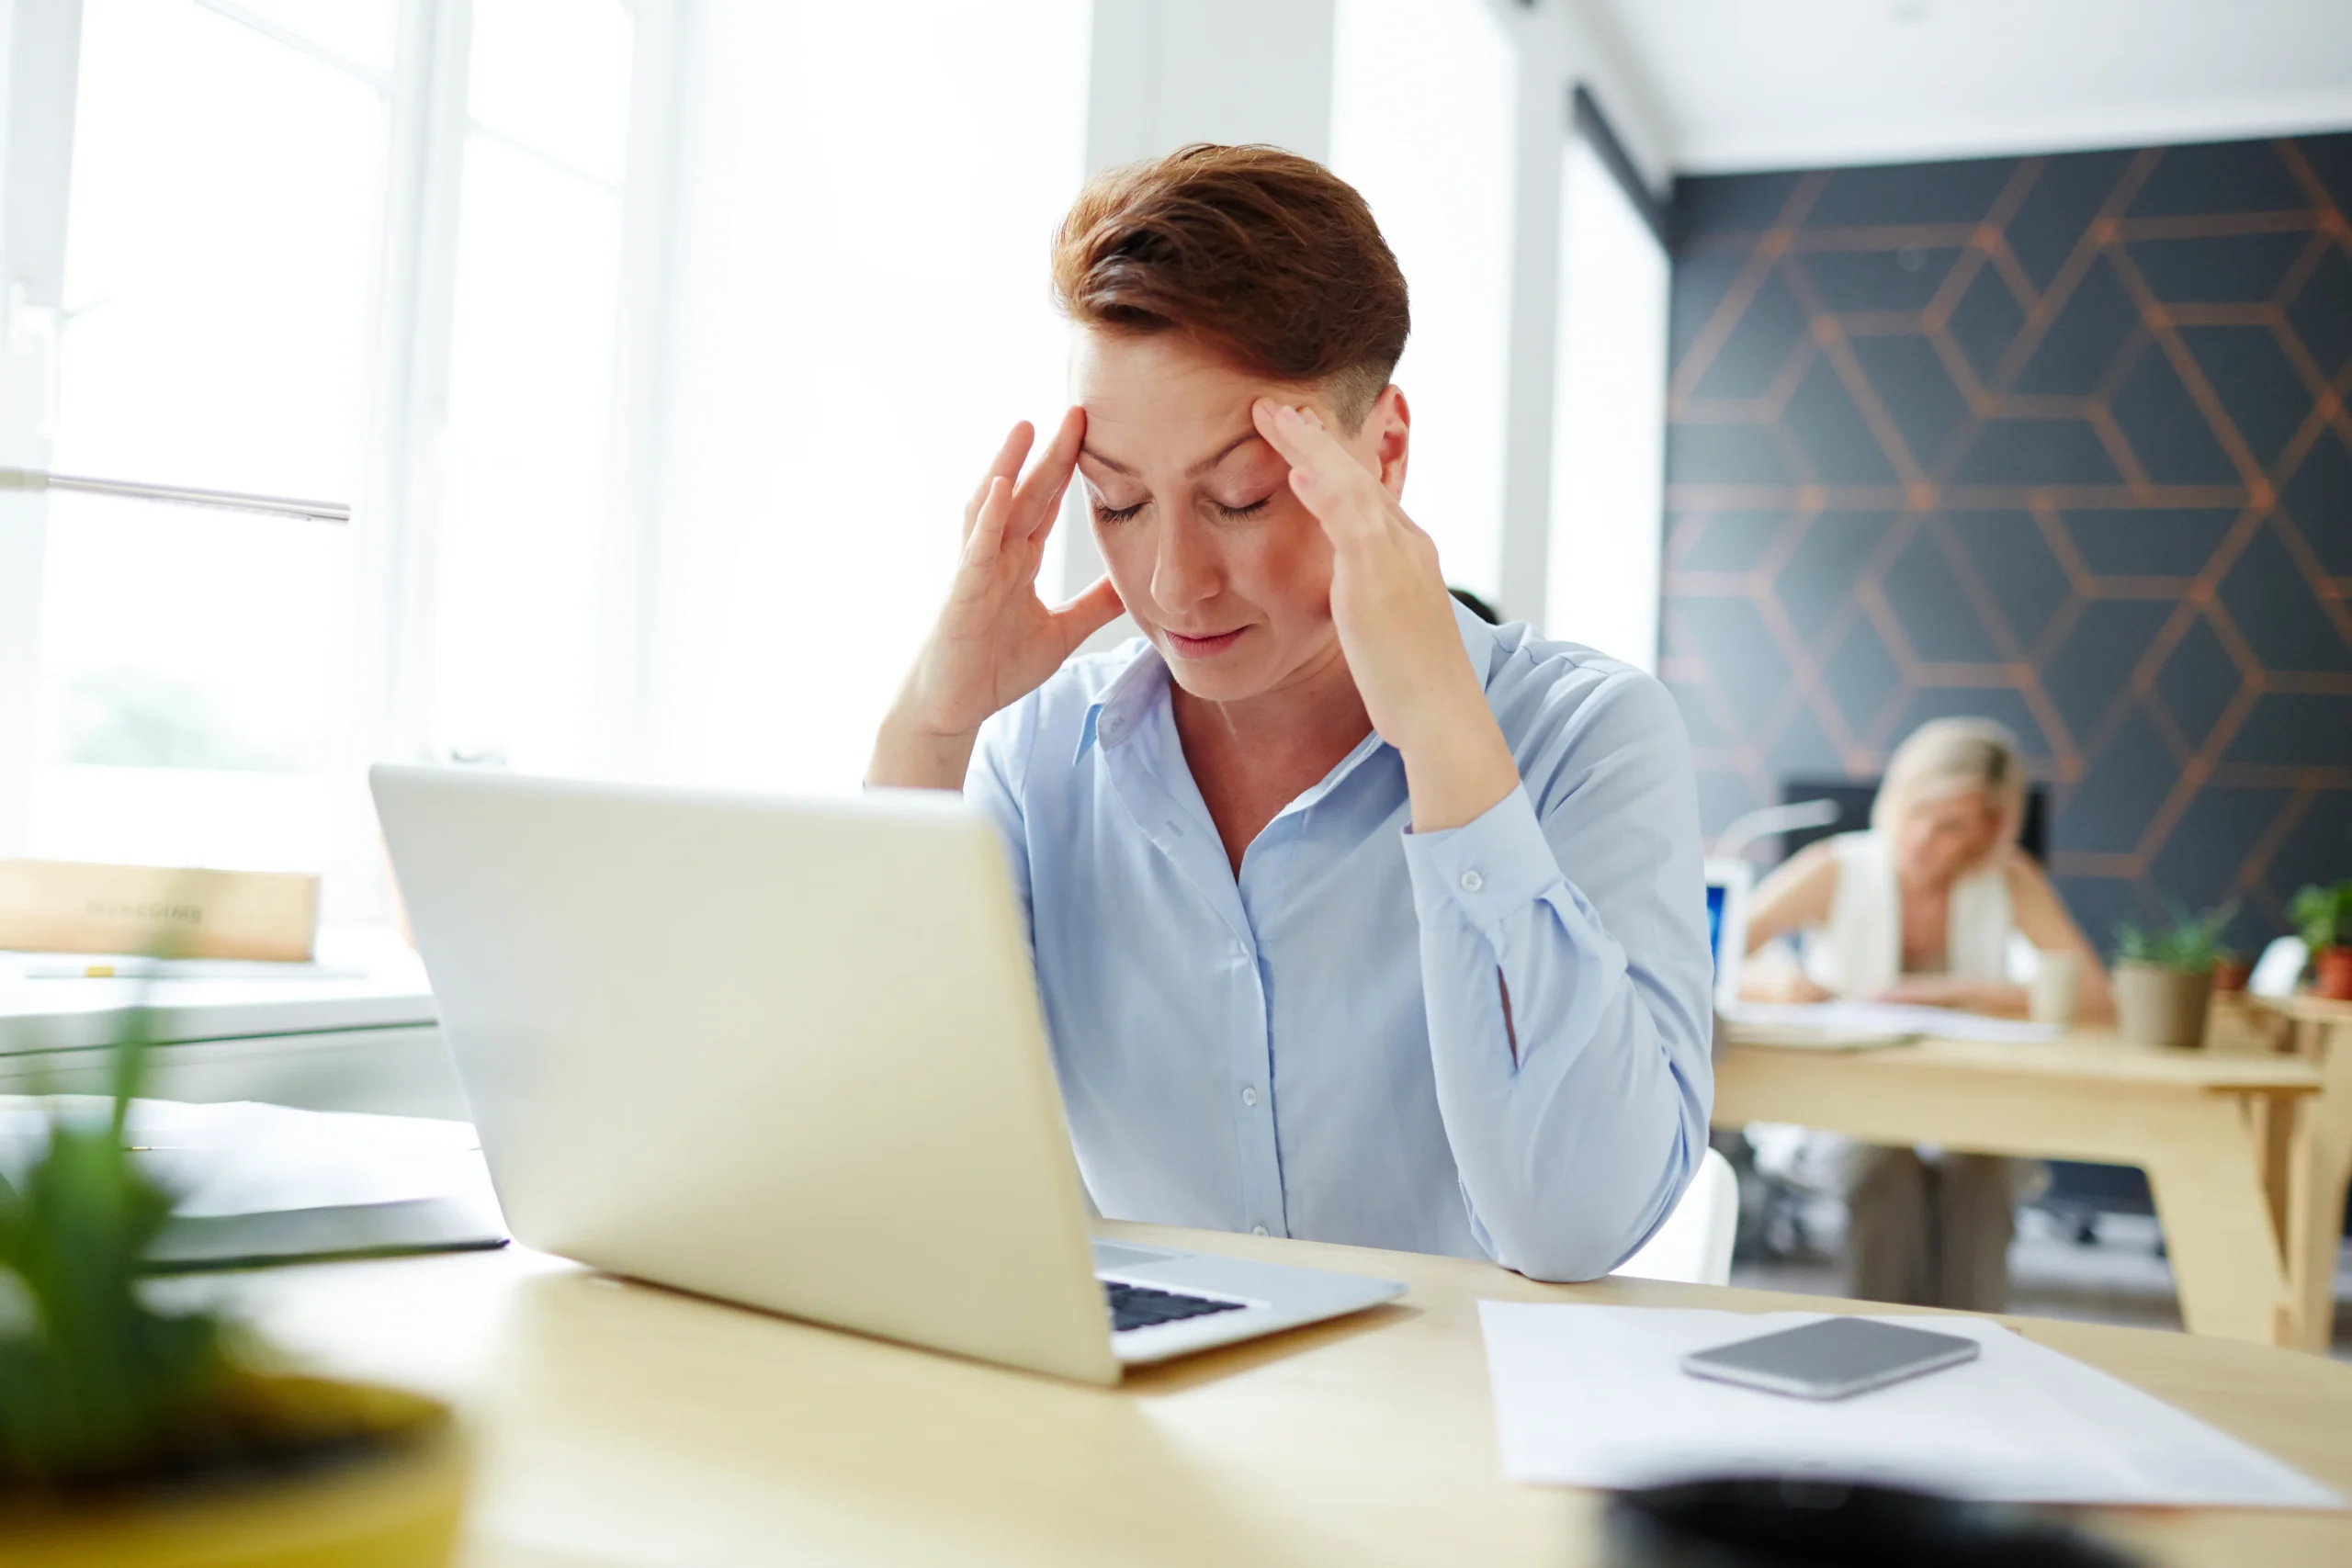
[{"x": 1288, "y": 414}]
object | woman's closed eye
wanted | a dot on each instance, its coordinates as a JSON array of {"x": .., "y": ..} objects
[{"x": 1232, "y": 512}]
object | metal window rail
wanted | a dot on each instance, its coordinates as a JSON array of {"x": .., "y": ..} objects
[{"x": 182, "y": 495}]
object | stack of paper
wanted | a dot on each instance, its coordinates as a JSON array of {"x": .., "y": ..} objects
[
  {"x": 1595, "y": 1396},
  {"x": 1885, "y": 1021},
  {"x": 267, "y": 1183}
]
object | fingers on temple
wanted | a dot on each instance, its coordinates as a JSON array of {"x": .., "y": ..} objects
[
  {"x": 984, "y": 540},
  {"x": 1322, "y": 474},
  {"x": 1040, "y": 496},
  {"x": 1005, "y": 464}
]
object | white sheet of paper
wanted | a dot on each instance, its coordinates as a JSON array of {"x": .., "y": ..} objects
[
  {"x": 1887, "y": 1017},
  {"x": 1595, "y": 1396}
]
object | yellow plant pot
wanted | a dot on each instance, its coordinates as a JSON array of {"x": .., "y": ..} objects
[{"x": 396, "y": 1507}]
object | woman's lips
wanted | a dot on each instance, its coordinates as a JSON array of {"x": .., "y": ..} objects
[{"x": 1204, "y": 647}]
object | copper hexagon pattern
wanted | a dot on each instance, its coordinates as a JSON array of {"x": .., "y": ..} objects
[{"x": 2063, "y": 440}]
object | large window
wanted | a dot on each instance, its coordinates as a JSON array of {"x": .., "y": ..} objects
[
  {"x": 1608, "y": 408},
  {"x": 367, "y": 250},
  {"x": 224, "y": 226},
  {"x": 524, "y": 458},
  {"x": 652, "y": 476}
]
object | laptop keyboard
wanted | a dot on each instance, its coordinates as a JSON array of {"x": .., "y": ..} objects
[{"x": 1141, "y": 1306}]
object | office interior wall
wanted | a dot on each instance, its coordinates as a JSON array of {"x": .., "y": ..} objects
[
  {"x": 2058, "y": 440},
  {"x": 858, "y": 314},
  {"x": 1164, "y": 73},
  {"x": 1425, "y": 124}
]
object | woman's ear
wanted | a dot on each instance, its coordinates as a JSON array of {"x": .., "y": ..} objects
[{"x": 1391, "y": 425}]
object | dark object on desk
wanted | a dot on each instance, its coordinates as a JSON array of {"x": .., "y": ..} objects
[
  {"x": 1765, "y": 1523},
  {"x": 1834, "y": 1358},
  {"x": 1853, "y": 797},
  {"x": 189, "y": 1243}
]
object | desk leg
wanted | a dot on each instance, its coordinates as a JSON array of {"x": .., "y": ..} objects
[
  {"x": 2208, "y": 1180},
  {"x": 2279, "y": 1130},
  {"x": 2315, "y": 1188}
]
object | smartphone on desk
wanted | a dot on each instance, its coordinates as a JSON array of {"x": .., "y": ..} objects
[{"x": 1832, "y": 1359}]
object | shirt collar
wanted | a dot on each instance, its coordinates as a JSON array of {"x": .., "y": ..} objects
[{"x": 1115, "y": 714}]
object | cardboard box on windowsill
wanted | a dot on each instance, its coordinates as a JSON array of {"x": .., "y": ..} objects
[{"x": 77, "y": 907}]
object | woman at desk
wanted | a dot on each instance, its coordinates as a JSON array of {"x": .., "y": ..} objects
[
  {"x": 1355, "y": 917},
  {"x": 1925, "y": 908}
]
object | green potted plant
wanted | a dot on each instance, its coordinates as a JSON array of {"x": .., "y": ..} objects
[
  {"x": 136, "y": 1437},
  {"x": 2164, "y": 975},
  {"x": 2324, "y": 918}
]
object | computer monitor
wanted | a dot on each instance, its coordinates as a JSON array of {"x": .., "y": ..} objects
[{"x": 1728, "y": 881}]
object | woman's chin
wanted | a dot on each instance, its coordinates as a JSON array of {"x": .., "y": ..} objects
[
  {"x": 1231, "y": 674},
  {"x": 1217, "y": 683}
]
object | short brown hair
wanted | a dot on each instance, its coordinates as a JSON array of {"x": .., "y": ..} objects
[{"x": 1270, "y": 256}]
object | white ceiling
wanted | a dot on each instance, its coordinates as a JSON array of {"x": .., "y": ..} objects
[{"x": 1792, "y": 84}]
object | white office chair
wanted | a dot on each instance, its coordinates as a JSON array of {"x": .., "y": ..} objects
[{"x": 1693, "y": 1247}]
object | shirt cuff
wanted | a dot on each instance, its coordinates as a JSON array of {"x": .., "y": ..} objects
[{"x": 1486, "y": 869}]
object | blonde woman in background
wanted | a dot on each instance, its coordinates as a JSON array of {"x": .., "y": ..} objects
[{"x": 1926, "y": 906}]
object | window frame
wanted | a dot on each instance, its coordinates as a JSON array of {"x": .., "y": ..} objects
[{"x": 396, "y": 493}]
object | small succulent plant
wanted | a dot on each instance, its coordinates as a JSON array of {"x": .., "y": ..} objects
[
  {"x": 96, "y": 1382},
  {"x": 2323, "y": 916},
  {"x": 2189, "y": 944}
]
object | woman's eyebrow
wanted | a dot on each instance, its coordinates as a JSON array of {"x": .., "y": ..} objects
[
  {"x": 1222, "y": 453},
  {"x": 1110, "y": 463},
  {"x": 1203, "y": 466}
]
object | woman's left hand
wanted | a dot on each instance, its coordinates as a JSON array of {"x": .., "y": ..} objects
[
  {"x": 1396, "y": 627},
  {"x": 1925, "y": 990},
  {"x": 1951, "y": 991}
]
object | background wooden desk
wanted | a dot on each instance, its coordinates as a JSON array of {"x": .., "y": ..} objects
[
  {"x": 2318, "y": 1160},
  {"x": 367, "y": 1041},
  {"x": 2245, "y": 1154},
  {"x": 623, "y": 1425}
]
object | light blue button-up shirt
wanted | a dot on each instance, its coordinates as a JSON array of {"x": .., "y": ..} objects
[{"x": 1319, "y": 1047}]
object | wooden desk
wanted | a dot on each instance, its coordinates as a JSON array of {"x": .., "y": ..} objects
[
  {"x": 2318, "y": 1165},
  {"x": 623, "y": 1425},
  {"x": 2241, "y": 1152}
]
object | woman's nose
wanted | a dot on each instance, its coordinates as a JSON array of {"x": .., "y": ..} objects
[{"x": 1185, "y": 572}]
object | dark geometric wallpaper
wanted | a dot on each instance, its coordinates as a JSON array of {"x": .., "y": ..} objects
[{"x": 2061, "y": 440}]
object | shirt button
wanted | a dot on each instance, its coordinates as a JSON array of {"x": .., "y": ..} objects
[
  {"x": 1256, "y": 1230},
  {"x": 1248, "y": 1097},
  {"x": 1472, "y": 881}
]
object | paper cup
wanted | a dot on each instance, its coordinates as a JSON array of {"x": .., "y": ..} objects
[{"x": 2050, "y": 995}]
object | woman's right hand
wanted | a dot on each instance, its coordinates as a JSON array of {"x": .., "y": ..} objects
[
  {"x": 1781, "y": 985},
  {"x": 995, "y": 641}
]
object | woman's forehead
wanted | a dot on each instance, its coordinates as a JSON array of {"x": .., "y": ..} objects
[{"x": 1161, "y": 403}]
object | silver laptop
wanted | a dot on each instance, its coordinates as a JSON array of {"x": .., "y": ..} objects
[{"x": 788, "y": 1053}]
